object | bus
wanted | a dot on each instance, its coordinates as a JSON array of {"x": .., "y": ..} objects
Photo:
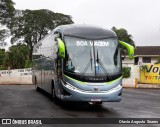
[{"x": 80, "y": 63}]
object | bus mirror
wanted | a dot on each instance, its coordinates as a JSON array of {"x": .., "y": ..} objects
[
  {"x": 61, "y": 48},
  {"x": 129, "y": 47}
]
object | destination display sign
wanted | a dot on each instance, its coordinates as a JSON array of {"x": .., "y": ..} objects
[{"x": 90, "y": 43}]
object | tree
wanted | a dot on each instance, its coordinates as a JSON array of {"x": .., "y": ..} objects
[
  {"x": 2, "y": 56},
  {"x": 6, "y": 14},
  {"x": 126, "y": 72},
  {"x": 3, "y": 34},
  {"x": 30, "y": 26},
  {"x": 6, "y": 11},
  {"x": 123, "y": 36},
  {"x": 17, "y": 56}
]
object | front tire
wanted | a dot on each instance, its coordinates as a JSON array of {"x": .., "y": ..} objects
[{"x": 55, "y": 98}]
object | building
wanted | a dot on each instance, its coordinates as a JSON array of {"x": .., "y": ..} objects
[
  {"x": 146, "y": 54},
  {"x": 138, "y": 78},
  {"x": 143, "y": 55}
]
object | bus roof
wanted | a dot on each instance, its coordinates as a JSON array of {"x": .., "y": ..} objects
[{"x": 85, "y": 31}]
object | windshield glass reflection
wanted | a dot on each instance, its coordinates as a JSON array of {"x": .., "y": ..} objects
[{"x": 92, "y": 57}]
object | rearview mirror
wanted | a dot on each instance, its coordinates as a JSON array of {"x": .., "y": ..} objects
[
  {"x": 61, "y": 48},
  {"x": 129, "y": 47}
]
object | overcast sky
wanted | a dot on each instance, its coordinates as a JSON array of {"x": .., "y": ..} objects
[{"x": 141, "y": 18}]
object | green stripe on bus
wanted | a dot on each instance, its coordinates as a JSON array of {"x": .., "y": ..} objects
[
  {"x": 75, "y": 80},
  {"x": 108, "y": 83},
  {"x": 114, "y": 80}
]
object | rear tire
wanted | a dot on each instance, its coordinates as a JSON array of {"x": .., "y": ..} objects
[{"x": 35, "y": 83}]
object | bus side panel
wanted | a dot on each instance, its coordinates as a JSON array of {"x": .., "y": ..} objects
[
  {"x": 37, "y": 72},
  {"x": 49, "y": 72},
  {"x": 47, "y": 52}
]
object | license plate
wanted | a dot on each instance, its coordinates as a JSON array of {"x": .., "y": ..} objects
[{"x": 96, "y": 99}]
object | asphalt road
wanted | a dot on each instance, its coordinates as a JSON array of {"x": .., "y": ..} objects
[{"x": 23, "y": 101}]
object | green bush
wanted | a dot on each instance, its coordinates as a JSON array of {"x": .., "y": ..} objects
[
  {"x": 126, "y": 72},
  {"x": 158, "y": 60},
  {"x": 28, "y": 64},
  {"x": 143, "y": 68},
  {"x": 2, "y": 67}
]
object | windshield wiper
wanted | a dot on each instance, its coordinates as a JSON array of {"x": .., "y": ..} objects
[
  {"x": 115, "y": 56},
  {"x": 104, "y": 69},
  {"x": 90, "y": 62}
]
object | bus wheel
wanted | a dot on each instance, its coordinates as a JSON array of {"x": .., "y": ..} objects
[
  {"x": 55, "y": 98},
  {"x": 37, "y": 88}
]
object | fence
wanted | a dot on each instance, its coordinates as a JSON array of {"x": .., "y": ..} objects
[{"x": 16, "y": 76}]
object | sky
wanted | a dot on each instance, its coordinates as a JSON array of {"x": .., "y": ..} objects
[{"x": 141, "y": 18}]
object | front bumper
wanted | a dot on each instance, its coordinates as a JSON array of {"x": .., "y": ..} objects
[{"x": 112, "y": 95}]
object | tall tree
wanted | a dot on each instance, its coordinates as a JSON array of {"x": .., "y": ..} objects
[
  {"x": 6, "y": 15},
  {"x": 3, "y": 34},
  {"x": 123, "y": 35},
  {"x": 30, "y": 26}
]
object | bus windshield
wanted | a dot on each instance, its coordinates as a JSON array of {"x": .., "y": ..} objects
[{"x": 92, "y": 57}]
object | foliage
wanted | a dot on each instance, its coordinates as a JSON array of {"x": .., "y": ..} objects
[
  {"x": 6, "y": 15},
  {"x": 28, "y": 64},
  {"x": 126, "y": 72},
  {"x": 3, "y": 34},
  {"x": 143, "y": 67},
  {"x": 17, "y": 56},
  {"x": 123, "y": 36},
  {"x": 6, "y": 11},
  {"x": 30, "y": 26},
  {"x": 2, "y": 56},
  {"x": 2, "y": 67},
  {"x": 26, "y": 27},
  {"x": 158, "y": 60}
]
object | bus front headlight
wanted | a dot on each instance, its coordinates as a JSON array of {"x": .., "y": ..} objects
[
  {"x": 117, "y": 87},
  {"x": 69, "y": 86}
]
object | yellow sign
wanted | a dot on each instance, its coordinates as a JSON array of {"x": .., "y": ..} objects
[{"x": 150, "y": 74}]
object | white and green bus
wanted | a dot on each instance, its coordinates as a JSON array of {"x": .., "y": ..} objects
[{"x": 80, "y": 63}]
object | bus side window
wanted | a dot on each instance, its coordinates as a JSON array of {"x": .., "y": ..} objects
[{"x": 49, "y": 64}]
